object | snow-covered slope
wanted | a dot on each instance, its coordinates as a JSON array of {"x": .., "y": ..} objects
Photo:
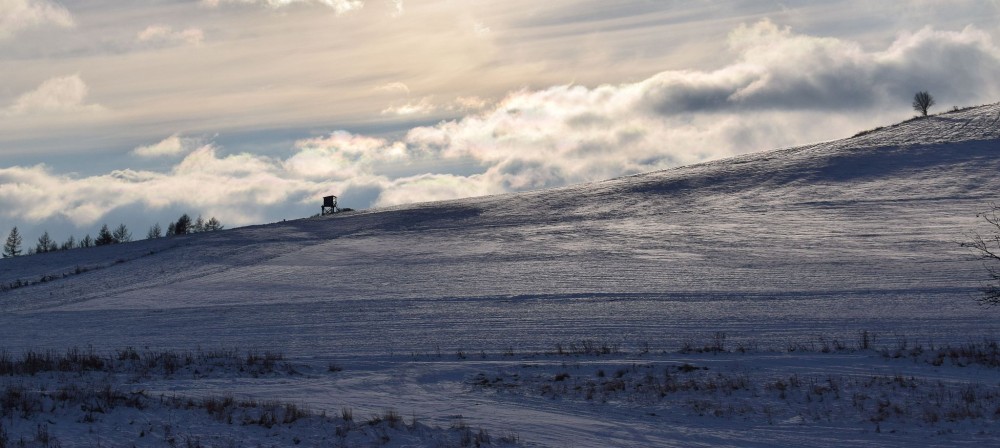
[
  {"x": 857, "y": 233},
  {"x": 771, "y": 248}
]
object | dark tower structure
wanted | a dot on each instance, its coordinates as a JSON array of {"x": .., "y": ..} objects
[{"x": 329, "y": 205}]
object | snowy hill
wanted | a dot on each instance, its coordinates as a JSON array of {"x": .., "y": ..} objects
[{"x": 772, "y": 249}]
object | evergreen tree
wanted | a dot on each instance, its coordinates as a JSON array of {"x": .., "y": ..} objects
[
  {"x": 45, "y": 243},
  {"x": 154, "y": 232},
  {"x": 171, "y": 231},
  {"x": 121, "y": 234},
  {"x": 87, "y": 241},
  {"x": 104, "y": 237},
  {"x": 213, "y": 224},
  {"x": 69, "y": 244},
  {"x": 198, "y": 226},
  {"x": 183, "y": 225},
  {"x": 13, "y": 246}
]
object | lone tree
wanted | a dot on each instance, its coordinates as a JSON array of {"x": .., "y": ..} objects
[
  {"x": 12, "y": 248},
  {"x": 922, "y": 101},
  {"x": 987, "y": 249}
]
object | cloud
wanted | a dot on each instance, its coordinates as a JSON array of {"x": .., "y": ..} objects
[
  {"x": 342, "y": 156},
  {"x": 165, "y": 35},
  {"x": 779, "y": 70},
  {"x": 422, "y": 107},
  {"x": 393, "y": 87},
  {"x": 85, "y": 201},
  {"x": 433, "y": 187},
  {"x": 17, "y": 15},
  {"x": 426, "y": 106},
  {"x": 339, "y": 6},
  {"x": 779, "y": 85},
  {"x": 469, "y": 104},
  {"x": 59, "y": 95},
  {"x": 781, "y": 89},
  {"x": 174, "y": 145}
]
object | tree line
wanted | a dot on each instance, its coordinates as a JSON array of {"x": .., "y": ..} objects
[{"x": 121, "y": 234}]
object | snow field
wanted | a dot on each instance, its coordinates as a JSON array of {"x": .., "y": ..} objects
[
  {"x": 788, "y": 249},
  {"x": 84, "y": 399}
]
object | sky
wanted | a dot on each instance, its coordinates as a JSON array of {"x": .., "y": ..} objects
[{"x": 251, "y": 110}]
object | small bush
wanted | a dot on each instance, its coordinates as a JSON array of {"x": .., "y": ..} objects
[{"x": 392, "y": 418}]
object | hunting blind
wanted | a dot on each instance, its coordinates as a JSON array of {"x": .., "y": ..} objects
[{"x": 329, "y": 205}]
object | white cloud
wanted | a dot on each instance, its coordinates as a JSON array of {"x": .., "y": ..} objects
[
  {"x": 339, "y": 6},
  {"x": 433, "y": 187},
  {"x": 422, "y": 107},
  {"x": 777, "y": 69},
  {"x": 342, "y": 155},
  {"x": 469, "y": 104},
  {"x": 174, "y": 145},
  {"x": 393, "y": 87},
  {"x": 426, "y": 106},
  {"x": 165, "y": 35},
  {"x": 57, "y": 95},
  {"x": 17, "y": 15}
]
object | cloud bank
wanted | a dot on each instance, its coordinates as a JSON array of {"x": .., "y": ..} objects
[{"x": 778, "y": 86}]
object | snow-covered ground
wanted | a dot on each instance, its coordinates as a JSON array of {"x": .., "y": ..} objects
[{"x": 774, "y": 250}]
